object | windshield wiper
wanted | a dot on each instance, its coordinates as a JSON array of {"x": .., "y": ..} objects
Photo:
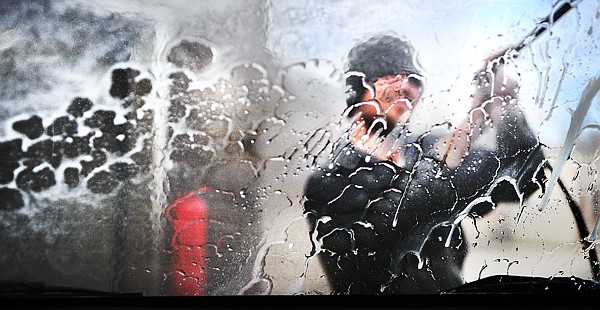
[{"x": 506, "y": 284}]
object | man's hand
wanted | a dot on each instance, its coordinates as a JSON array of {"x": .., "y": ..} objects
[{"x": 497, "y": 78}]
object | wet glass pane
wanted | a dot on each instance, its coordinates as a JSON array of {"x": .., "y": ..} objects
[{"x": 300, "y": 148}]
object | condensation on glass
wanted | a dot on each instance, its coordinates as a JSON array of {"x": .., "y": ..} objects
[{"x": 258, "y": 147}]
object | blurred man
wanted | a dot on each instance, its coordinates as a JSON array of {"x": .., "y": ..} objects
[{"x": 384, "y": 207}]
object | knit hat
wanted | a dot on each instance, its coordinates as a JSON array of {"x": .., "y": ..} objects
[{"x": 379, "y": 56}]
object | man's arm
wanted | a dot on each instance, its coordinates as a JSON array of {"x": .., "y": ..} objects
[
  {"x": 496, "y": 87},
  {"x": 494, "y": 105}
]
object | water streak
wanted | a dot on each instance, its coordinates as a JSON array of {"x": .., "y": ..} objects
[{"x": 577, "y": 118}]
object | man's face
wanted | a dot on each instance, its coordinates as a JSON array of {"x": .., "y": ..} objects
[{"x": 395, "y": 95}]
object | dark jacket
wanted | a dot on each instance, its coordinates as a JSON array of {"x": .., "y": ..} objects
[{"x": 384, "y": 229}]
